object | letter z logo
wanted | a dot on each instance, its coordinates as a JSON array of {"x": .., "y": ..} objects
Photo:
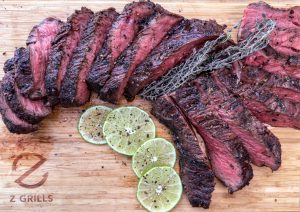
[{"x": 32, "y": 169}]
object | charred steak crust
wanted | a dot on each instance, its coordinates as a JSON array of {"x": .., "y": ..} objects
[
  {"x": 9, "y": 65},
  {"x": 196, "y": 174},
  {"x": 23, "y": 73},
  {"x": 228, "y": 157},
  {"x": 11, "y": 121},
  {"x": 265, "y": 105},
  {"x": 74, "y": 90},
  {"x": 147, "y": 39},
  {"x": 172, "y": 50},
  {"x": 61, "y": 52},
  {"x": 14, "y": 100},
  {"x": 122, "y": 33},
  {"x": 39, "y": 44},
  {"x": 283, "y": 86},
  {"x": 262, "y": 146}
]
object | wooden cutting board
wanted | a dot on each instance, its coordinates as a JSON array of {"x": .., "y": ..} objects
[{"x": 55, "y": 170}]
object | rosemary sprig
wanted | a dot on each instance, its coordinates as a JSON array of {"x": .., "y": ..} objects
[{"x": 200, "y": 61}]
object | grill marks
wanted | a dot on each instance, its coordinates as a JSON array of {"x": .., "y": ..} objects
[
  {"x": 262, "y": 146},
  {"x": 145, "y": 41},
  {"x": 227, "y": 155},
  {"x": 122, "y": 33},
  {"x": 265, "y": 105},
  {"x": 62, "y": 50},
  {"x": 39, "y": 44},
  {"x": 196, "y": 174},
  {"x": 172, "y": 50},
  {"x": 74, "y": 90}
]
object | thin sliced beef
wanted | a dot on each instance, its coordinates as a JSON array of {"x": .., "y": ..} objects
[
  {"x": 171, "y": 51},
  {"x": 122, "y": 33},
  {"x": 283, "y": 86},
  {"x": 39, "y": 44},
  {"x": 62, "y": 50},
  {"x": 262, "y": 146},
  {"x": 74, "y": 90},
  {"x": 196, "y": 174},
  {"x": 31, "y": 111},
  {"x": 272, "y": 62},
  {"x": 11, "y": 121},
  {"x": 285, "y": 39},
  {"x": 265, "y": 105},
  {"x": 228, "y": 157},
  {"x": 146, "y": 40}
]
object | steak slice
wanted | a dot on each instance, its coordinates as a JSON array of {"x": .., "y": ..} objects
[
  {"x": 62, "y": 50},
  {"x": 146, "y": 40},
  {"x": 262, "y": 146},
  {"x": 74, "y": 90},
  {"x": 228, "y": 157},
  {"x": 266, "y": 106},
  {"x": 39, "y": 44},
  {"x": 122, "y": 33},
  {"x": 31, "y": 111},
  {"x": 11, "y": 121},
  {"x": 171, "y": 51},
  {"x": 285, "y": 39},
  {"x": 272, "y": 62},
  {"x": 283, "y": 86},
  {"x": 195, "y": 172}
]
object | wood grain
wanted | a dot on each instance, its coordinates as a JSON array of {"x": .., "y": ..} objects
[{"x": 83, "y": 177}]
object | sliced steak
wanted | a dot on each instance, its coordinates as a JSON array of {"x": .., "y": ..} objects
[
  {"x": 196, "y": 174},
  {"x": 228, "y": 157},
  {"x": 171, "y": 51},
  {"x": 285, "y": 39},
  {"x": 146, "y": 40},
  {"x": 11, "y": 121},
  {"x": 122, "y": 33},
  {"x": 283, "y": 86},
  {"x": 272, "y": 62},
  {"x": 262, "y": 146},
  {"x": 74, "y": 90},
  {"x": 31, "y": 111},
  {"x": 62, "y": 50},
  {"x": 265, "y": 105},
  {"x": 39, "y": 44}
]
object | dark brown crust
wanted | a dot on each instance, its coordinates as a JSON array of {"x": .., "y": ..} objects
[
  {"x": 21, "y": 127},
  {"x": 9, "y": 65},
  {"x": 196, "y": 174},
  {"x": 9, "y": 92}
]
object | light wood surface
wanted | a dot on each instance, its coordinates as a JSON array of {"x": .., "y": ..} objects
[{"x": 83, "y": 177}]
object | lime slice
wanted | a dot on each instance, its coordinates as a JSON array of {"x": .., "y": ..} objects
[
  {"x": 127, "y": 128},
  {"x": 91, "y": 122},
  {"x": 153, "y": 153},
  {"x": 159, "y": 189}
]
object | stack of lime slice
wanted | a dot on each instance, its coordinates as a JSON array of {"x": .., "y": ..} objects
[{"x": 131, "y": 131}]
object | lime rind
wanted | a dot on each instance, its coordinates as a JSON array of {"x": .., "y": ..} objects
[
  {"x": 127, "y": 128},
  {"x": 153, "y": 153},
  {"x": 160, "y": 189},
  {"x": 91, "y": 122}
]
